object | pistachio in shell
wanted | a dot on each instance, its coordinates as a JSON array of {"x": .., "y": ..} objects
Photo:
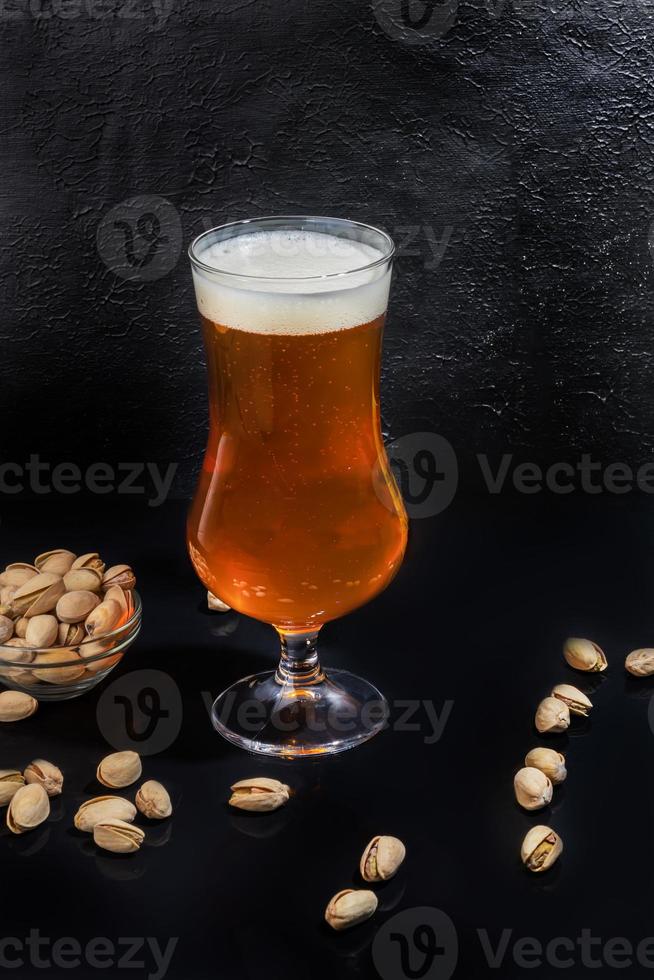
[
  {"x": 350, "y": 907},
  {"x": 47, "y": 775},
  {"x": 70, "y": 634},
  {"x": 74, "y": 607},
  {"x": 6, "y": 629},
  {"x": 118, "y": 836},
  {"x": 584, "y": 654},
  {"x": 102, "y": 808},
  {"x": 640, "y": 662},
  {"x": 381, "y": 858},
  {"x": 541, "y": 847},
  {"x": 28, "y": 808},
  {"x": 39, "y": 595},
  {"x": 11, "y": 781},
  {"x": 103, "y": 619},
  {"x": 121, "y": 575},
  {"x": 90, "y": 560},
  {"x": 83, "y": 580},
  {"x": 42, "y": 631},
  {"x": 59, "y": 561},
  {"x": 153, "y": 800},
  {"x": 15, "y": 705},
  {"x": 57, "y": 666},
  {"x": 17, "y": 574},
  {"x": 119, "y": 769}
]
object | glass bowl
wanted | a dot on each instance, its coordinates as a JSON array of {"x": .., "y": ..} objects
[{"x": 59, "y": 673}]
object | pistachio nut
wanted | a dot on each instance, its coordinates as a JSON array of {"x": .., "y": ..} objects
[
  {"x": 42, "y": 631},
  {"x": 552, "y": 716},
  {"x": 14, "y": 705},
  {"x": 548, "y": 761},
  {"x": 575, "y": 699},
  {"x": 103, "y": 619},
  {"x": 7, "y": 593},
  {"x": 350, "y": 907},
  {"x": 102, "y": 808},
  {"x": 17, "y": 574},
  {"x": 381, "y": 858},
  {"x": 6, "y": 628},
  {"x": 584, "y": 654},
  {"x": 119, "y": 769},
  {"x": 216, "y": 604},
  {"x": 118, "y": 836},
  {"x": 121, "y": 575},
  {"x": 533, "y": 789},
  {"x": 74, "y": 607},
  {"x": 116, "y": 594},
  {"x": 39, "y": 595},
  {"x": 28, "y": 808},
  {"x": 20, "y": 627},
  {"x": 540, "y": 848},
  {"x": 59, "y": 561},
  {"x": 90, "y": 560},
  {"x": 70, "y": 634},
  {"x": 57, "y": 666},
  {"x": 640, "y": 663},
  {"x": 47, "y": 775},
  {"x": 153, "y": 800},
  {"x": 83, "y": 580},
  {"x": 259, "y": 794},
  {"x": 11, "y": 781}
]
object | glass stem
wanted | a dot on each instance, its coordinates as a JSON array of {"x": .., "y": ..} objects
[{"x": 299, "y": 665}]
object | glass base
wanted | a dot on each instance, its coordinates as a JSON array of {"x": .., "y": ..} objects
[{"x": 325, "y": 714}]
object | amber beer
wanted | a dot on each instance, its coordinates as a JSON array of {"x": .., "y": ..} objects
[{"x": 297, "y": 518}]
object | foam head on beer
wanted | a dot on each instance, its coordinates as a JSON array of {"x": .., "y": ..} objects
[{"x": 297, "y": 282}]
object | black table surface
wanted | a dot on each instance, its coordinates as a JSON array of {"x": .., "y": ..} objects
[{"x": 464, "y": 644}]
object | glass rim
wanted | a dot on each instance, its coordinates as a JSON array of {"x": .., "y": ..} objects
[{"x": 330, "y": 276}]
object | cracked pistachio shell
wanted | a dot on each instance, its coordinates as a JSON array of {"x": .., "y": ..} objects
[
  {"x": 533, "y": 789},
  {"x": 548, "y": 761},
  {"x": 584, "y": 654},
  {"x": 11, "y": 781},
  {"x": 640, "y": 663},
  {"x": 45, "y": 666},
  {"x": 103, "y": 619},
  {"x": 540, "y": 848},
  {"x": 121, "y": 575},
  {"x": 153, "y": 800},
  {"x": 381, "y": 858},
  {"x": 6, "y": 629},
  {"x": 59, "y": 561},
  {"x": 70, "y": 634},
  {"x": 29, "y": 807},
  {"x": 259, "y": 794},
  {"x": 47, "y": 775},
  {"x": 39, "y": 595},
  {"x": 74, "y": 607},
  {"x": 216, "y": 604},
  {"x": 118, "y": 836},
  {"x": 90, "y": 560},
  {"x": 552, "y": 716},
  {"x": 350, "y": 907},
  {"x": 83, "y": 580},
  {"x": 102, "y": 808},
  {"x": 42, "y": 631},
  {"x": 14, "y": 705},
  {"x": 119, "y": 769},
  {"x": 17, "y": 574},
  {"x": 575, "y": 699}
]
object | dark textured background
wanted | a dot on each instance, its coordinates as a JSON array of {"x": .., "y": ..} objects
[{"x": 519, "y": 133}]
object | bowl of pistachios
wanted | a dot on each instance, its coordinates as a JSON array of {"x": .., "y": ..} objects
[{"x": 66, "y": 621}]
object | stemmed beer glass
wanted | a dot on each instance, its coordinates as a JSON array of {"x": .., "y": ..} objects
[{"x": 296, "y": 519}]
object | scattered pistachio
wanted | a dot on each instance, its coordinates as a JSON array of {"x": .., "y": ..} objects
[
  {"x": 216, "y": 604},
  {"x": 540, "y": 848},
  {"x": 119, "y": 769},
  {"x": 47, "y": 775},
  {"x": 153, "y": 800},
  {"x": 259, "y": 794},
  {"x": 640, "y": 663},
  {"x": 381, "y": 858},
  {"x": 118, "y": 836},
  {"x": 533, "y": 789},
  {"x": 28, "y": 808},
  {"x": 549, "y": 761},
  {"x": 584, "y": 654},
  {"x": 350, "y": 907},
  {"x": 552, "y": 716},
  {"x": 102, "y": 808},
  {"x": 11, "y": 781},
  {"x": 14, "y": 705},
  {"x": 575, "y": 699}
]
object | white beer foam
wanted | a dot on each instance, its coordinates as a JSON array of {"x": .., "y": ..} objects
[{"x": 300, "y": 300}]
